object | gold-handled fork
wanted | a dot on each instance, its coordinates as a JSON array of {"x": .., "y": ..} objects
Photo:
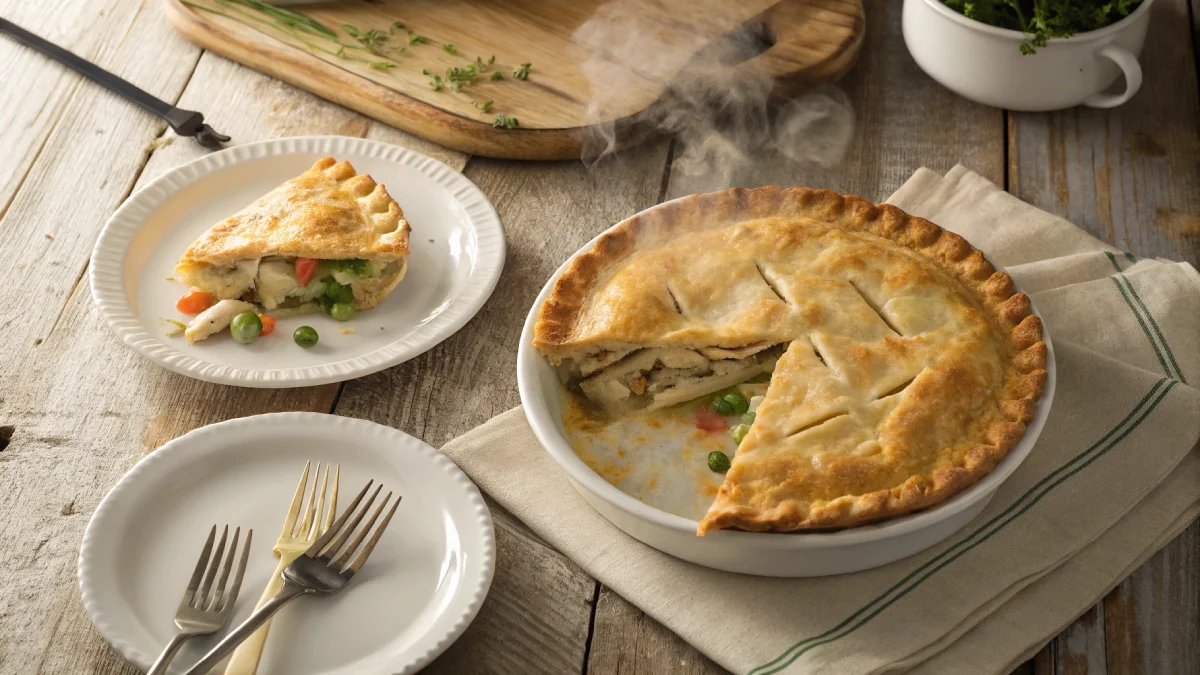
[
  {"x": 317, "y": 571},
  {"x": 296, "y": 537}
]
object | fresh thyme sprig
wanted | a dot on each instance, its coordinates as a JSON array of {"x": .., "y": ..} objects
[
  {"x": 284, "y": 22},
  {"x": 414, "y": 39},
  {"x": 460, "y": 76},
  {"x": 449, "y": 48},
  {"x": 497, "y": 76},
  {"x": 371, "y": 40},
  {"x": 485, "y": 106},
  {"x": 503, "y": 121},
  {"x": 294, "y": 19},
  {"x": 522, "y": 72},
  {"x": 435, "y": 81}
]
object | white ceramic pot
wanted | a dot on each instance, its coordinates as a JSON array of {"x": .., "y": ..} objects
[
  {"x": 765, "y": 554},
  {"x": 985, "y": 64}
]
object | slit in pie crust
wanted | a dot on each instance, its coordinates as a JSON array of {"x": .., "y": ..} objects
[{"x": 903, "y": 365}]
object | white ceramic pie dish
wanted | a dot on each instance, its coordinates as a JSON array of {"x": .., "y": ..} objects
[{"x": 765, "y": 554}]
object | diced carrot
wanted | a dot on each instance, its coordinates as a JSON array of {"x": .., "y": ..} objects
[
  {"x": 708, "y": 420},
  {"x": 306, "y": 268},
  {"x": 268, "y": 323},
  {"x": 195, "y": 302}
]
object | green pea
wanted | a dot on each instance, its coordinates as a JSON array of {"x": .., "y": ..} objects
[
  {"x": 335, "y": 292},
  {"x": 738, "y": 402},
  {"x": 342, "y": 311},
  {"x": 722, "y": 406},
  {"x": 718, "y": 462},
  {"x": 739, "y": 432},
  {"x": 305, "y": 336},
  {"x": 245, "y": 327}
]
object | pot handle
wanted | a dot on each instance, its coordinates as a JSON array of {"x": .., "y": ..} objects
[
  {"x": 814, "y": 43},
  {"x": 1133, "y": 77}
]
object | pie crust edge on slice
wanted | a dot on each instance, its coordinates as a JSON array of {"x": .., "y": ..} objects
[
  {"x": 328, "y": 212},
  {"x": 1024, "y": 370}
]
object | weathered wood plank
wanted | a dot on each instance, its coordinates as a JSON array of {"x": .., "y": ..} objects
[
  {"x": 549, "y": 210},
  {"x": 1043, "y": 662},
  {"x": 1196, "y": 31},
  {"x": 77, "y": 429},
  {"x": 46, "y": 230},
  {"x": 1151, "y": 619},
  {"x": 37, "y": 89},
  {"x": 1127, "y": 175},
  {"x": 1079, "y": 649},
  {"x": 50, "y": 224},
  {"x": 621, "y": 644},
  {"x": 1026, "y": 668}
]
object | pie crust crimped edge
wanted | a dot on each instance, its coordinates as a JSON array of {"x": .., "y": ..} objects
[
  {"x": 1025, "y": 373},
  {"x": 374, "y": 204}
]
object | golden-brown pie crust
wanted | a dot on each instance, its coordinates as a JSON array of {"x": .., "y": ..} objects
[
  {"x": 768, "y": 488},
  {"x": 329, "y": 212}
]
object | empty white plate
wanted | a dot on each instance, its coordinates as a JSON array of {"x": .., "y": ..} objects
[
  {"x": 457, "y": 246},
  {"x": 418, "y": 592}
]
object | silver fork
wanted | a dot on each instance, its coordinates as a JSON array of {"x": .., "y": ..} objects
[
  {"x": 316, "y": 571},
  {"x": 203, "y": 609}
]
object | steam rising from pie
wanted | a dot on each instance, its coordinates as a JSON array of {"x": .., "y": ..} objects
[{"x": 723, "y": 118}]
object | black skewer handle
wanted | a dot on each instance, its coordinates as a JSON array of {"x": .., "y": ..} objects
[
  {"x": 184, "y": 122},
  {"x": 87, "y": 69}
]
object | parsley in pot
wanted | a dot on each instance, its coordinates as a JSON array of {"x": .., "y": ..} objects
[{"x": 1041, "y": 20}]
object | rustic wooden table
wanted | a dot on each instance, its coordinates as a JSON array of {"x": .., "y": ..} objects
[{"x": 77, "y": 409}]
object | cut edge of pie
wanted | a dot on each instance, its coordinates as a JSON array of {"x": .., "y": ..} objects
[{"x": 1024, "y": 374}]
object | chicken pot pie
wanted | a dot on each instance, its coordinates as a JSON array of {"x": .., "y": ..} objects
[
  {"x": 329, "y": 235},
  {"x": 903, "y": 366}
]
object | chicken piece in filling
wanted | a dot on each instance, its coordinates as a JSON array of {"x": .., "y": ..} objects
[
  {"x": 215, "y": 319},
  {"x": 657, "y": 377},
  {"x": 302, "y": 284}
]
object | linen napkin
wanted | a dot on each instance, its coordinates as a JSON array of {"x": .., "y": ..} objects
[{"x": 1111, "y": 480}]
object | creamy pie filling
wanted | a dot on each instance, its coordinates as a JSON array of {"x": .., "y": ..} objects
[
  {"x": 656, "y": 377},
  {"x": 272, "y": 281}
]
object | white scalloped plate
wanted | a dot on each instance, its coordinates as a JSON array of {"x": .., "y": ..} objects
[
  {"x": 421, "y": 588},
  {"x": 457, "y": 255}
]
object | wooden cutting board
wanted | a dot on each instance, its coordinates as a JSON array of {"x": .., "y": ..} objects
[{"x": 594, "y": 62}]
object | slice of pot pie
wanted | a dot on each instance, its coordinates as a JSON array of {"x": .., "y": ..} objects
[
  {"x": 329, "y": 235},
  {"x": 903, "y": 366}
]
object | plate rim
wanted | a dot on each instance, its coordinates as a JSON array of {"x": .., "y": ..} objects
[
  {"x": 558, "y": 448},
  {"x": 107, "y": 278},
  {"x": 180, "y": 447}
]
